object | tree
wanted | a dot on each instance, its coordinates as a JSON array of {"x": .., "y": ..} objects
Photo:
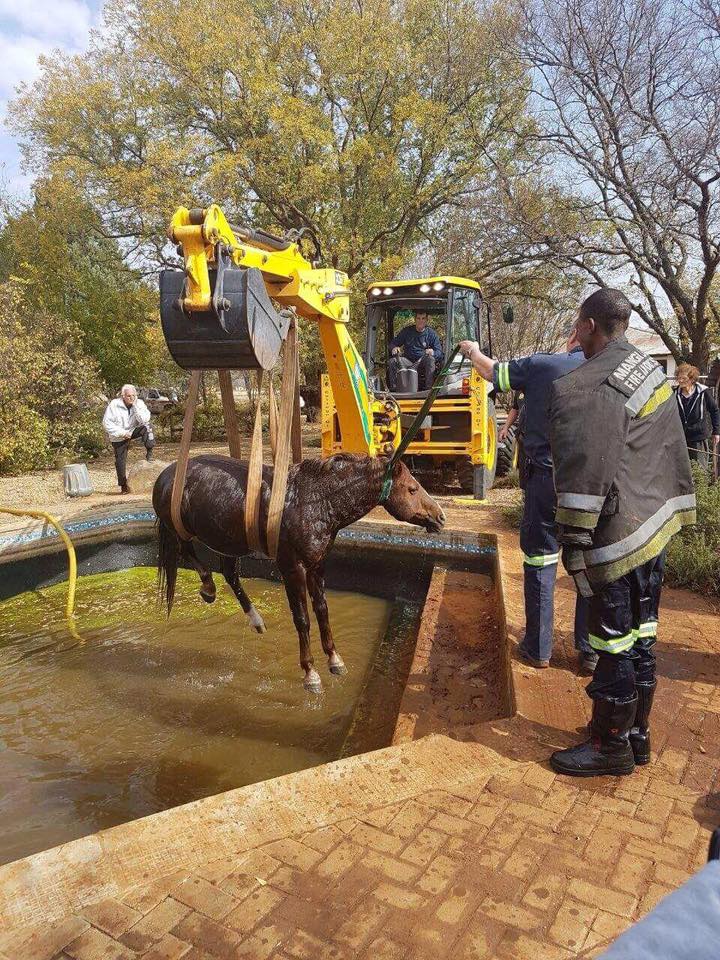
[
  {"x": 627, "y": 103},
  {"x": 356, "y": 119},
  {"x": 73, "y": 271}
]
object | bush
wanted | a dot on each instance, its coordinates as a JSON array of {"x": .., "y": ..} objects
[
  {"x": 49, "y": 389},
  {"x": 693, "y": 558},
  {"x": 23, "y": 441}
]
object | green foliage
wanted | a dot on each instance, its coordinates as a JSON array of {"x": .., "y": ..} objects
[
  {"x": 693, "y": 558},
  {"x": 513, "y": 514},
  {"x": 50, "y": 392},
  {"x": 361, "y": 121},
  {"x": 72, "y": 270},
  {"x": 24, "y": 440}
]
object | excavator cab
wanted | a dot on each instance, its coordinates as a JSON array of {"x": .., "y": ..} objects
[
  {"x": 453, "y": 309},
  {"x": 458, "y": 436}
]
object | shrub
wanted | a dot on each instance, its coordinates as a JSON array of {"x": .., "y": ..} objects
[
  {"x": 693, "y": 558},
  {"x": 49, "y": 389},
  {"x": 23, "y": 441}
]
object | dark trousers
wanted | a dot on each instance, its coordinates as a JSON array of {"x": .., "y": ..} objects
[
  {"x": 622, "y": 623},
  {"x": 699, "y": 452},
  {"x": 539, "y": 544},
  {"x": 425, "y": 367},
  {"x": 145, "y": 436}
]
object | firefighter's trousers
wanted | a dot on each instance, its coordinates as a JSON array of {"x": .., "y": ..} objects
[
  {"x": 541, "y": 551},
  {"x": 622, "y": 622}
]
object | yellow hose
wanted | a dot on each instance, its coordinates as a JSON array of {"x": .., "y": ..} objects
[{"x": 72, "y": 559}]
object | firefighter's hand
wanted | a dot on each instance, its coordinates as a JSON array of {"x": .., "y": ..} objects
[
  {"x": 429, "y": 351},
  {"x": 574, "y": 537},
  {"x": 502, "y": 436},
  {"x": 395, "y": 351},
  {"x": 128, "y": 435},
  {"x": 716, "y": 439},
  {"x": 466, "y": 347}
]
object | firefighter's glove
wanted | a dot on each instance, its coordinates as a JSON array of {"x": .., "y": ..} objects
[{"x": 574, "y": 537}]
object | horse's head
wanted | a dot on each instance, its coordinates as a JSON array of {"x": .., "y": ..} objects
[{"x": 410, "y": 502}]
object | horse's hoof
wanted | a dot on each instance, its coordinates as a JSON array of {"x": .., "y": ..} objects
[
  {"x": 208, "y": 597},
  {"x": 312, "y": 682},
  {"x": 256, "y": 620},
  {"x": 337, "y": 666}
]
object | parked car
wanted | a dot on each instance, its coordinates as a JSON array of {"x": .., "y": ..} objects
[{"x": 157, "y": 402}]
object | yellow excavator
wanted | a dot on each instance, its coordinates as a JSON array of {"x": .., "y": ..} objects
[{"x": 231, "y": 305}]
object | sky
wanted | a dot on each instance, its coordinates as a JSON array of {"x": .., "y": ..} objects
[{"x": 29, "y": 28}]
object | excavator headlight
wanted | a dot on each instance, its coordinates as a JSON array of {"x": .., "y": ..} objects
[
  {"x": 425, "y": 288},
  {"x": 466, "y": 387},
  {"x": 438, "y": 286},
  {"x": 376, "y": 291},
  {"x": 387, "y": 291}
]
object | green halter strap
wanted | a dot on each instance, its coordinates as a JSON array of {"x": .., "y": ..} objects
[{"x": 410, "y": 433}]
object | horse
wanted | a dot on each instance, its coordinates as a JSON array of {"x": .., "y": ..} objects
[{"x": 322, "y": 497}]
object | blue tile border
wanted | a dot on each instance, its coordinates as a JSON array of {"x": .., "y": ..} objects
[{"x": 48, "y": 532}]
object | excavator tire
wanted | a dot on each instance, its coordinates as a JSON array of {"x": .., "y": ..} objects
[{"x": 507, "y": 454}]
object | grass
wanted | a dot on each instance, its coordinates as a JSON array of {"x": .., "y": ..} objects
[{"x": 693, "y": 558}]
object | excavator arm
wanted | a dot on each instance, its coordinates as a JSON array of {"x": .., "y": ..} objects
[{"x": 210, "y": 246}]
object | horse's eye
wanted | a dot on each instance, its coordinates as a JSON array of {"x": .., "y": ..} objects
[{"x": 414, "y": 489}]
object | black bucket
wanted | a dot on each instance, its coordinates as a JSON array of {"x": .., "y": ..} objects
[{"x": 246, "y": 334}]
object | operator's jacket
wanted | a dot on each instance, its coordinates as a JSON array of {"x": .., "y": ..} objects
[{"x": 622, "y": 472}]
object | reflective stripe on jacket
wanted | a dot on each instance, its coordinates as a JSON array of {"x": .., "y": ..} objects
[{"x": 621, "y": 463}]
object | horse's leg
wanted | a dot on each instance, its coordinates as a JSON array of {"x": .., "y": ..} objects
[
  {"x": 316, "y": 586},
  {"x": 230, "y": 573},
  {"x": 207, "y": 591},
  {"x": 295, "y": 588}
]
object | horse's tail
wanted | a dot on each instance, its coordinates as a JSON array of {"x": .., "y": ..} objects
[{"x": 168, "y": 562}]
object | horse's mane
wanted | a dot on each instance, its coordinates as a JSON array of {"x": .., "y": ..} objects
[{"x": 338, "y": 468}]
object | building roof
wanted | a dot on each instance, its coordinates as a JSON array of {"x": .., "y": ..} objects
[{"x": 647, "y": 341}]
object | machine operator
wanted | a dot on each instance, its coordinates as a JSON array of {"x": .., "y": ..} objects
[
  {"x": 416, "y": 347},
  {"x": 534, "y": 375}
]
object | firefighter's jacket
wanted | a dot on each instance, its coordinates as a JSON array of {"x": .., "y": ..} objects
[{"x": 622, "y": 471}]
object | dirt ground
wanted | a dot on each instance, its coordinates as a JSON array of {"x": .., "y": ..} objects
[{"x": 44, "y": 488}]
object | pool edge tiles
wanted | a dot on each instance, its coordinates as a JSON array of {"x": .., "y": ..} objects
[{"x": 37, "y": 535}]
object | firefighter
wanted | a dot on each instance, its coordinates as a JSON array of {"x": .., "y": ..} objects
[
  {"x": 534, "y": 375},
  {"x": 624, "y": 487}
]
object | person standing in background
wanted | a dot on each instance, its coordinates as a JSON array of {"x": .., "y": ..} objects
[
  {"x": 699, "y": 413},
  {"x": 126, "y": 419}
]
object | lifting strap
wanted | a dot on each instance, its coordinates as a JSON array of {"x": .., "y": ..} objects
[
  {"x": 285, "y": 444},
  {"x": 409, "y": 434},
  {"x": 182, "y": 460}
]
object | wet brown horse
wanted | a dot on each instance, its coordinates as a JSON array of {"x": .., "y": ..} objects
[{"x": 323, "y": 496}]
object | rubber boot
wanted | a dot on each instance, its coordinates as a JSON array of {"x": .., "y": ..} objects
[
  {"x": 608, "y": 751},
  {"x": 640, "y": 732}
]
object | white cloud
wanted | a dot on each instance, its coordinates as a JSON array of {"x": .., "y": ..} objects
[
  {"x": 59, "y": 22},
  {"x": 19, "y": 57},
  {"x": 29, "y": 29}
]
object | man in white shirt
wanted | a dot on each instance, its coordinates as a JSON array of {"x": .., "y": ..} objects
[{"x": 127, "y": 418}]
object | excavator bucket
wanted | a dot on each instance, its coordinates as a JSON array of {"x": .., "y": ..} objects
[{"x": 241, "y": 330}]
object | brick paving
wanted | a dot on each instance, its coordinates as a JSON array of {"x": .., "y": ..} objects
[{"x": 460, "y": 844}]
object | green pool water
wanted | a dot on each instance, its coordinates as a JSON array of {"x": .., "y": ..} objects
[{"x": 143, "y": 713}]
